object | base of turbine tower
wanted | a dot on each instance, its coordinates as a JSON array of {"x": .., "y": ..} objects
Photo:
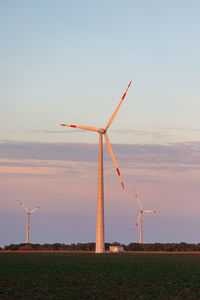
[{"x": 99, "y": 250}]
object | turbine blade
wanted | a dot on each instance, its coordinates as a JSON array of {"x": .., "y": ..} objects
[
  {"x": 137, "y": 221},
  {"x": 152, "y": 211},
  {"x": 116, "y": 110},
  {"x": 113, "y": 158},
  {"x": 33, "y": 210},
  {"x": 22, "y": 205},
  {"x": 138, "y": 200},
  {"x": 81, "y": 127}
]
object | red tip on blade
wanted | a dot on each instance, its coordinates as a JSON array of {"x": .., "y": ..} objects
[
  {"x": 122, "y": 185},
  {"x": 118, "y": 171},
  {"x": 62, "y": 125},
  {"x": 124, "y": 96},
  {"x": 73, "y": 126},
  {"x": 129, "y": 84}
]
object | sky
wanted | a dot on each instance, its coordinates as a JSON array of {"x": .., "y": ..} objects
[{"x": 70, "y": 62}]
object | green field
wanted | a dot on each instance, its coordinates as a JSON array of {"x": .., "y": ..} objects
[{"x": 99, "y": 276}]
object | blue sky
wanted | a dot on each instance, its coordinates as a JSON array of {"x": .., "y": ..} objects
[
  {"x": 64, "y": 61},
  {"x": 55, "y": 55}
]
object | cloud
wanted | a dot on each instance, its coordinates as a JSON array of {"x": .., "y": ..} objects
[
  {"x": 55, "y": 131},
  {"x": 81, "y": 159},
  {"x": 177, "y": 153},
  {"x": 183, "y": 129},
  {"x": 49, "y": 151},
  {"x": 142, "y": 132}
]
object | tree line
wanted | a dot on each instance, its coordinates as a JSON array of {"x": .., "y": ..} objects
[{"x": 170, "y": 247}]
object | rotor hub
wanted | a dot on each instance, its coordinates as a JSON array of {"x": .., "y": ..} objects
[{"x": 102, "y": 130}]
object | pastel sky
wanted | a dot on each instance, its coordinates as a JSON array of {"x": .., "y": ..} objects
[{"x": 70, "y": 62}]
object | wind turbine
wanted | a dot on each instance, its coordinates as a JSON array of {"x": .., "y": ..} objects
[
  {"x": 28, "y": 212},
  {"x": 100, "y": 248},
  {"x": 140, "y": 215}
]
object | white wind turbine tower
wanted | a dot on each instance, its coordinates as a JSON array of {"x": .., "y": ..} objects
[
  {"x": 140, "y": 215},
  {"x": 100, "y": 248},
  {"x": 28, "y": 212}
]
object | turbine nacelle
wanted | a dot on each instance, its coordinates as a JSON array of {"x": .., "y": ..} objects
[{"x": 102, "y": 130}]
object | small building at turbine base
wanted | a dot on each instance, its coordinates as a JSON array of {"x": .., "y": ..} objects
[{"x": 116, "y": 249}]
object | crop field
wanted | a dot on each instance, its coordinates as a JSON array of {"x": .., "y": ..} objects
[{"x": 99, "y": 276}]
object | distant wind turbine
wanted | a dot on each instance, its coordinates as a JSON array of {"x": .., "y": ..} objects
[
  {"x": 140, "y": 215},
  {"x": 28, "y": 212},
  {"x": 100, "y": 248}
]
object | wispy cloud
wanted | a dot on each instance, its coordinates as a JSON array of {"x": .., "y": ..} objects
[
  {"x": 162, "y": 135},
  {"x": 46, "y": 131},
  {"x": 142, "y": 132},
  {"x": 45, "y": 167},
  {"x": 182, "y": 129}
]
